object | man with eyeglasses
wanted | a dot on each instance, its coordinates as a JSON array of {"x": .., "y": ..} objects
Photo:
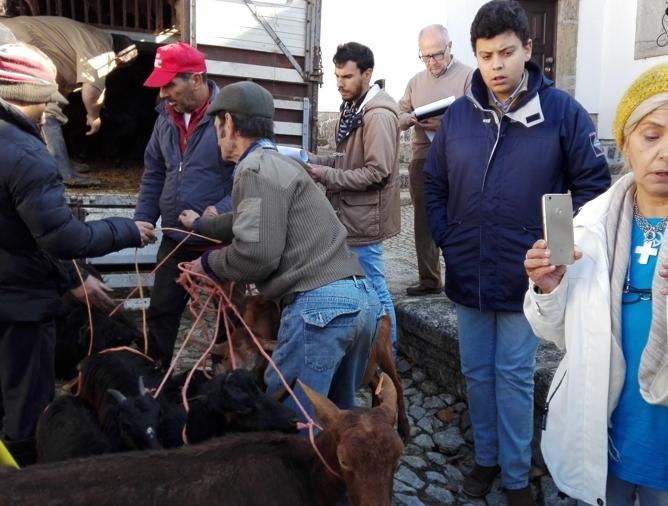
[
  {"x": 443, "y": 77},
  {"x": 183, "y": 169}
]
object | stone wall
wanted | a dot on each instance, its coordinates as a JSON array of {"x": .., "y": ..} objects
[{"x": 567, "y": 44}]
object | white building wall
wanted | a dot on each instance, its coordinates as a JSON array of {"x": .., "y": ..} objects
[
  {"x": 606, "y": 65},
  {"x": 460, "y": 14}
]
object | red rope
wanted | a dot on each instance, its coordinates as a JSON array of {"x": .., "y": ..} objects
[{"x": 208, "y": 286}]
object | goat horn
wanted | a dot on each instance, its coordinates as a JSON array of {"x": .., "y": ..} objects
[
  {"x": 120, "y": 398},
  {"x": 142, "y": 390},
  {"x": 325, "y": 410}
]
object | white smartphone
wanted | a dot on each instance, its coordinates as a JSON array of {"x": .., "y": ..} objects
[{"x": 558, "y": 227}]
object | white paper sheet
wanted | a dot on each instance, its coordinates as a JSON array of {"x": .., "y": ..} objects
[
  {"x": 296, "y": 153},
  {"x": 433, "y": 109}
]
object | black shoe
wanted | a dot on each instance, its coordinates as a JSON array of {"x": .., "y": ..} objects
[
  {"x": 520, "y": 497},
  {"x": 479, "y": 481},
  {"x": 80, "y": 181},
  {"x": 419, "y": 290}
]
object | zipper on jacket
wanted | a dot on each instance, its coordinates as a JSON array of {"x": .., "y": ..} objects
[
  {"x": 181, "y": 166},
  {"x": 546, "y": 407},
  {"x": 482, "y": 188}
]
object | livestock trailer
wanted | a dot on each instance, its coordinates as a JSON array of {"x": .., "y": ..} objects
[{"x": 275, "y": 43}]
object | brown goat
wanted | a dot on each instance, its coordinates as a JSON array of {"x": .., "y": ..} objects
[
  {"x": 263, "y": 319},
  {"x": 237, "y": 470},
  {"x": 380, "y": 358}
]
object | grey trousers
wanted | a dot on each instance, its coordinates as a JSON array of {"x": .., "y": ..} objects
[{"x": 428, "y": 255}]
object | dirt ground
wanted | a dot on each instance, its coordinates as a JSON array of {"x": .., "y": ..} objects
[{"x": 114, "y": 178}]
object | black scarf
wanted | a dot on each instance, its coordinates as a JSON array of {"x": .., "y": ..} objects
[{"x": 350, "y": 119}]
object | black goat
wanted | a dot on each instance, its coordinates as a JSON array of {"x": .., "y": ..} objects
[
  {"x": 234, "y": 403},
  {"x": 361, "y": 446},
  {"x": 70, "y": 427},
  {"x": 73, "y": 334},
  {"x": 120, "y": 371},
  {"x": 227, "y": 403}
]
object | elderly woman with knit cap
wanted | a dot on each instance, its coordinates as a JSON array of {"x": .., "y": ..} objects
[{"x": 605, "y": 431}]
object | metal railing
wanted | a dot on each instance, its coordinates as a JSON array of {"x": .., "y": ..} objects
[{"x": 134, "y": 15}]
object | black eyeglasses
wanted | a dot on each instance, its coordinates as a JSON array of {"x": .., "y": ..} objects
[
  {"x": 632, "y": 295},
  {"x": 439, "y": 57}
]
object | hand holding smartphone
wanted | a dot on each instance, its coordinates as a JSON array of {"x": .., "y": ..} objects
[{"x": 558, "y": 227}]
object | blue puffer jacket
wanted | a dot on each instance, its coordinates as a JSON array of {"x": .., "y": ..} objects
[
  {"x": 37, "y": 227},
  {"x": 484, "y": 178},
  {"x": 172, "y": 182}
]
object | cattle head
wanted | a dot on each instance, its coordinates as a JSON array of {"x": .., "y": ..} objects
[{"x": 367, "y": 447}]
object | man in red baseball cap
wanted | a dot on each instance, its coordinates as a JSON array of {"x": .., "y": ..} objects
[
  {"x": 173, "y": 59},
  {"x": 183, "y": 169}
]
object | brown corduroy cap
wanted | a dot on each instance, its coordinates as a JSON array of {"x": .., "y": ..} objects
[{"x": 245, "y": 97}]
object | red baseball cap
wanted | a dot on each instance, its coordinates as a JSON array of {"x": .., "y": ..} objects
[{"x": 173, "y": 59}]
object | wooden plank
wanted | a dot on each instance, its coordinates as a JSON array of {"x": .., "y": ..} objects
[
  {"x": 127, "y": 279},
  {"x": 247, "y": 71},
  {"x": 234, "y": 54},
  {"x": 293, "y": 105},
  {"x": 136, "y": 304},
  {"x": 283, "y": 128},
  {"x": 230, "y": 23}
]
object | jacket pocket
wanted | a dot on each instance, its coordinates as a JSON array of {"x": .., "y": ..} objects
[
  {"x": 360, "y": 213},
  {"x": 327, "y": 334}
]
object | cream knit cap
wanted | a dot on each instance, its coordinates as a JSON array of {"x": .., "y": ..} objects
[{"x": 27, "y": 75}]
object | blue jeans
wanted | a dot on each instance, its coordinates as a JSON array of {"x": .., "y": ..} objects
[
  {"x": 498, "y": 355},
  {"x": 370, "y": 258},
  {"x": 324, "y": 340}
]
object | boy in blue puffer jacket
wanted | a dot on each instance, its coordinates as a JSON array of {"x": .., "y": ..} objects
[{"x": 511, "y": 139}]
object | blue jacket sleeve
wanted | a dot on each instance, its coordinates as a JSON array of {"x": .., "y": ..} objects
[
  {"x": 436, "y": 187},
  {"x": 152, "y": 181},
  {"x": 586, "y": 169},
  {"x": 39, "y": 199}
]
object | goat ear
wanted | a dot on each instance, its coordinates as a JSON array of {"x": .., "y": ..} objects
[
  {"x": 325, "y": 410},
  {"x": 387, "y": 393}
]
